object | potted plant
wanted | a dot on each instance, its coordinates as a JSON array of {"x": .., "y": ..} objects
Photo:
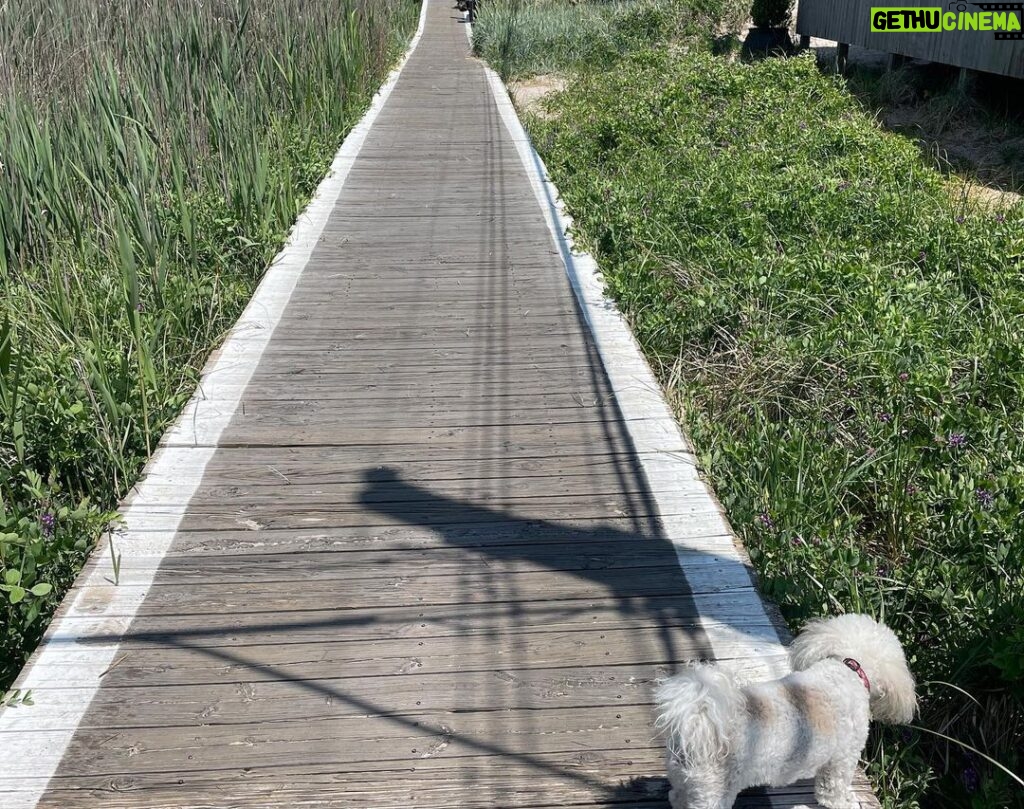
[{"x": 770, "y": 33}]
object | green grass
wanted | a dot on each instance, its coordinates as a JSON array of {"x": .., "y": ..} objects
[
  {"x": 841, "y": 333},
  {"x": 153, "y": 156}
]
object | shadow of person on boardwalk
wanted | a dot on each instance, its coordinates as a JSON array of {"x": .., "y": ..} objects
[{"x": 590, "y": 559}]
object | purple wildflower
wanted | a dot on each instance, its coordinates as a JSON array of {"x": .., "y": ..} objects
[
  {"x": 48, "y": 522},
  {"x": 971, "y": 778},
  {"x": 985, "y": 498},
  {"x": 960, "y": 219},
  {"x": 904, "y": 377},
  {"x": 871, "y": 452},
  {"x": 885, "y": 418},
  {"x": 912, "y": 488},
  {"x": 956, "y": 440},
  {"x": 922, "y": 256},
  {"x": 797, "y": 541},
  {"x": 765, "y": 520},
  {"x": 802, "y": 125},
  {"x": 843, "y": 186},
  {"x": 1000, "y": 218}
]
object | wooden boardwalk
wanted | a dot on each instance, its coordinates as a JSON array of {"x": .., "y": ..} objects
[{"x": 427, "y": 560}]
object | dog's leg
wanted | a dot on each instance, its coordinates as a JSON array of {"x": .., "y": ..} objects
[
  {"x": 677, "y": 796},
  {"x": 833, "y": 787}
]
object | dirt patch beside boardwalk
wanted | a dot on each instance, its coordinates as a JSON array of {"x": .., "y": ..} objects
[{"x": 529, "y": 94}]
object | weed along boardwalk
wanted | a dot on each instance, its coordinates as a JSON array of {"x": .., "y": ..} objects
[{"x": 426, "y": 534}]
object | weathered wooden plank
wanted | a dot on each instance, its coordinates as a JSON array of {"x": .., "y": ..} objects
[
  {"x": 528, "y": 351},
  {"x": 414, "y": 367},
  {"x": 279, "y": 700},
  {"x": 501, "y": 587},
  {"x": 308, "y": 624},
  {"x": 190, "y": 652},
  {"x": 575, "y": 558},
  {"x": 333, "y": 419},
  {"x": 602, "y": 777},
  {"x": 368, "y": 488},
  {"x": 477, "y": 781},
  {"x": 251, "y": 539},
  {"x": 468, "y": 442},
  {"x": 321, "y": 385},
  {"x": 351, "y": 741},
  {"x": 290, "y": 466},
  {"x": 703, "y": 518},
  {"x": 155, "y": 662},
  {"x": 498, "y": 396},
  {"x": 319, "y": 302}
]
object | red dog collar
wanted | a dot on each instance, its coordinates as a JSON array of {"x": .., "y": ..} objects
[{"x": 853, "y": 665}]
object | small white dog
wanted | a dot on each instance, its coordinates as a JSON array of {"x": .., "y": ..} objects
[{"x": 723, "y": 737}]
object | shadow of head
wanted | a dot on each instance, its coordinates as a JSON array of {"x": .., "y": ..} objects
[{"x": 380, "y": 475}]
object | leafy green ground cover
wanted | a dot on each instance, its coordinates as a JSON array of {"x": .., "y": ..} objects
[
  {"x": 841, "y": 332},
  {"x": 152, "y": 159}
]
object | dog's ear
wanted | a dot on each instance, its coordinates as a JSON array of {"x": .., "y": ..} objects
[{"x": 893, "y": 696}]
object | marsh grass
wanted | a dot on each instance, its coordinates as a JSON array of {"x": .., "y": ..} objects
[
  {"x": 841, "y": 336},
  {"x": 522, "y": 38},
  {"x": 153, "y": 156}
]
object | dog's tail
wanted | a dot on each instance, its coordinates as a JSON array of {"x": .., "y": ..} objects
[{"x": 696, "y": 709}]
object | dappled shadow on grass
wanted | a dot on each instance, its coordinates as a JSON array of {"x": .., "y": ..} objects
[{"x": 972, "y": 133}]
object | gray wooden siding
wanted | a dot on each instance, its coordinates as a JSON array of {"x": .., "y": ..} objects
[{"x": 849, "y": 21}]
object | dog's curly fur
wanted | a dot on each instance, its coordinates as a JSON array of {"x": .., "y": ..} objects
[{"x": 723, "y": 737}]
